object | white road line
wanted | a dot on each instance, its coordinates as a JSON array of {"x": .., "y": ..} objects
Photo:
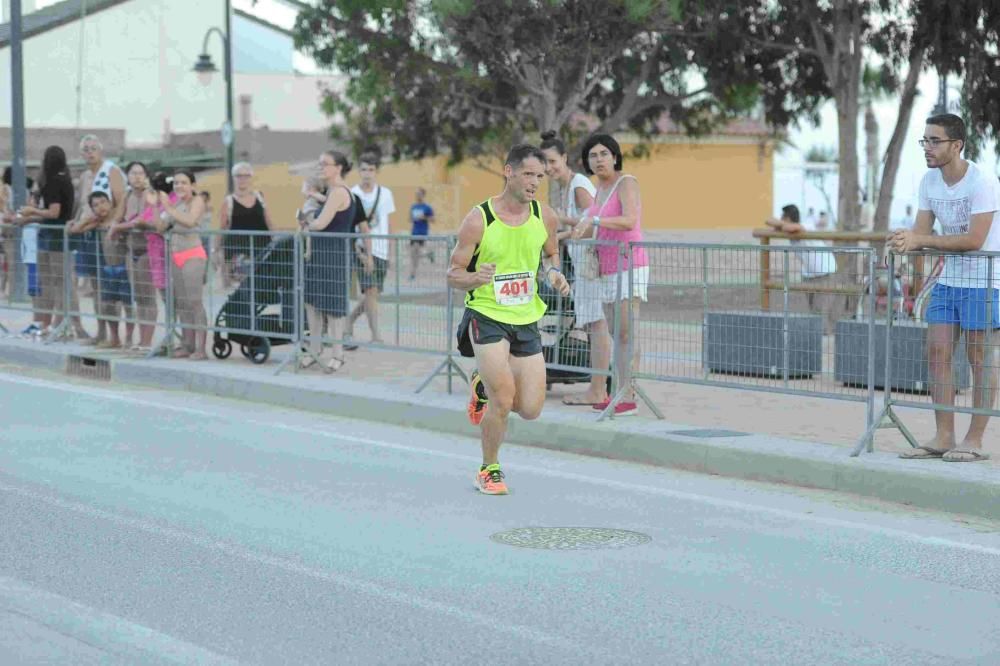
[
  {"x": 487, "y": 622},
  {"x": 101, "y": 630},
  {"x": 731, "y": 505}
]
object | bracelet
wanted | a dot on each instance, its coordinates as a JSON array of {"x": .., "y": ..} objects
[
  {"x": 596, "y": 222},
  {"x": 552, "y": 268}
]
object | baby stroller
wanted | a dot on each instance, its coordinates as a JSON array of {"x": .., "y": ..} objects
[
  {"x": 561, "y": 343},
  {"x": 264, "y": 302}
]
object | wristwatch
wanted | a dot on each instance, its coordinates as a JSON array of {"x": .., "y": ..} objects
[{"x": 596, "y": 221}]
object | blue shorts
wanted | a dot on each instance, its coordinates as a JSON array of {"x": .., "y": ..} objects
[
  {"x": 114, "y": 285},
  {"x": 965, "y": 306},
  {"x": 34, "y": 286}
]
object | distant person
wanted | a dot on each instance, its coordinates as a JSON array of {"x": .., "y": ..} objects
[
  {"x": 115, "y": 289},
  {"x": 966, "y": 201},
  {"x": 810, "y": 220},
  {"x": 8, "y": 235},
  {"x": 140, "y": 205},
  {"x": 421, "y": 218},
  {"x": 818, "y": 267},
  {"x": 904, "y": 222},
  {"x": 327, "y": 273},
  {"x": 242, "y": 211},
  {"x": 378, "y": 205},
  {"x": 101, "y": 175}
]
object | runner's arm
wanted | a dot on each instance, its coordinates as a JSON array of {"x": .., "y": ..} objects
[{"x": 470, "y": 233}]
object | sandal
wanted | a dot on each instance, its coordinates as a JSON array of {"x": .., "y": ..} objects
[
  {"x": 306, "y": 362},
  {"x": 923, "y": 453},
  {"x": 965, "y": 455},
  {"x": 334, "y": 365}
]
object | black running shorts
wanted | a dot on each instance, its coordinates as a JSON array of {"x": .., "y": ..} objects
[{"x": 525, "y": 340}]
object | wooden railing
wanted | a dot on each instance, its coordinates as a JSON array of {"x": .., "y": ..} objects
[{"x": 844, "y": 238}]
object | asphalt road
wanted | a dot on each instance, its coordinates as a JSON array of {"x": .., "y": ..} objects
[{"x": 141, "y": 526}]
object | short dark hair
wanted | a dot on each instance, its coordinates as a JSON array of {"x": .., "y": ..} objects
[
  {"x": 551, "y": 140},
  {"x": 791, "y": 211},
  {"x": 370, "y": 157},
  {"x": 97, "y": 194},
  {"x": 608, "y": 142},
  {"x": 521, "y": 152},
  {"x": 954, "y": 126}
]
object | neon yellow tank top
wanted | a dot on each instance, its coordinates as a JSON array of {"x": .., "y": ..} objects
[{"x": 512, "y": 297}]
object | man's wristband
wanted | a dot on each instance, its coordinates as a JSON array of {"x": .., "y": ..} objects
[{"x": 552, "y": 268}]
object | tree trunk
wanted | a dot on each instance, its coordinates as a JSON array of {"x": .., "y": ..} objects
[
  {"x": 848, "y": 218},
  {"x": 871, "y": 153},
  {"x": 893, "y": 153}
]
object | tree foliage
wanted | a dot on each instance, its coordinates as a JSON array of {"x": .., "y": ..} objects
[{"x": 459, "y": 76}]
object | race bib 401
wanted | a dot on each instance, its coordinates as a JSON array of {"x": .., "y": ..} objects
[{"x": 513, "y": 288}]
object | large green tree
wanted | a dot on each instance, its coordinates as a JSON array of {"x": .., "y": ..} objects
[{"x": 461, "y": 76}]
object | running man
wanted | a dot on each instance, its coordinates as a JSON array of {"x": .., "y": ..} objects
[
  {"x": 966, "y": 201},
  {"x": 422, "y": 216},
  {"x": 496, "y": 261}
]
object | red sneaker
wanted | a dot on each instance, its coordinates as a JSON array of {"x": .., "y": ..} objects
[
  {"x": 621, "y": 409},
  {"x": 477, "y": 402}
]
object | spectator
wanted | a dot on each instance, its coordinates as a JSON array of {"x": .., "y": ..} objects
[
  {"x": 55, "y": 210},
  {"x": 421, "y": 217},
  {"x": 41, "y": 315},
  {"x": 139, "y": 210},
  {"x": 150, "y": 222},
  {"x": 378, "y": 205},
  {"x": 964, "y": 301},
  {"x": 114, "y": 287},
  {"x": 818, "y": 267},
  {"x": 242, "y": 211},
  {"x": 101, "y": 175},
  {"x": 327, "y": 273},
  {"x": 810, "y": 221},
  {"x": 616, "y": 215},
  {"x": 575, "y": 194},
  {"x": 8, "y": 235},
  {"x": 187, "y": 262}
]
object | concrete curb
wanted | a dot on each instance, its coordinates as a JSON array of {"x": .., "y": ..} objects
[{"x": 966, "y": 489}]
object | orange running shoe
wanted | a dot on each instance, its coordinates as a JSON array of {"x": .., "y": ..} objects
[
  {"x": 489, "y": 480},
  {"x": 478, "y": 401}
]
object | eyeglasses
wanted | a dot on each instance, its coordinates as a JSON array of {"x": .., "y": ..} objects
[
  {"x": 89, "y": 149},
  {"x": 934, "y": 142}
]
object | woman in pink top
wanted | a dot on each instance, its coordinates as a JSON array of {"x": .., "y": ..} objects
[{"x": 616, "y": 215}]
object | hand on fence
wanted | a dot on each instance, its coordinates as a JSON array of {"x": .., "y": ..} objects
[
  {"x": 558, "y": 282},
  {"x": 903, "y": 240}
]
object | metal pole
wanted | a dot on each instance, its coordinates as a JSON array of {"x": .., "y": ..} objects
[
  {"x": 449, "y": 316},
  {"x": 704, "y": 301},
  {"x": 229, "y": 95},
  {"x": 872, "y": 304},
  {"x": 784, "y": 321},
  {"x": 18, "y": 182},
  {"x": 398, "y": 267}
]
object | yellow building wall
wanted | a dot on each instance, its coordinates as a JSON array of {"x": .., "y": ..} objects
[{"x": 684, "y": 185}]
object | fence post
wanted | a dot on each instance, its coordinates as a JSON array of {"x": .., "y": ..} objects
[
  {"x": 765, "y": 275},
  {"x": 169, "y": 314},
  {"x": 784, "y": 318},
  {"x": 704, "y": 302},
  {"x": 399, "y": 267},
  {"x": 870, "y": 424}
]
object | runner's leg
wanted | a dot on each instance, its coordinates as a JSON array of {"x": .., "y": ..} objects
[
  {"x": 529, "y": 385},
  {"x": 493, "y": 362}
]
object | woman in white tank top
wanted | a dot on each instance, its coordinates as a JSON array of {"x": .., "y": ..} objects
[{"x": 570, "y": 194}]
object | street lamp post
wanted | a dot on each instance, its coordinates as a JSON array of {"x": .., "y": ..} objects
[{"x": 205, "y": 68}]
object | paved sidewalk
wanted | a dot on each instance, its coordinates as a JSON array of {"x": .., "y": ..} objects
[{"x": 778, "y": 438}]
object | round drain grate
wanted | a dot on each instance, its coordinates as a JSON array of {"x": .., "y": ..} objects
[{"x": 570, "y": 538}]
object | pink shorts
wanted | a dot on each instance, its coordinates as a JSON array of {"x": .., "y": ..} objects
[
  {"x": 182, "y": 257},
  {"x": 156, "y": 247}
]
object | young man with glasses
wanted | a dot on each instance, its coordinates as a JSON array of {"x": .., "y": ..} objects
[{"x": 965, "y": 201}]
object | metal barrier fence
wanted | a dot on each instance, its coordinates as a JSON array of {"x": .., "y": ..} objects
[
  {"x": 841, "y": 324},
  {"x": 937, "y": 340},
  {"x": 696, "y": 319}
]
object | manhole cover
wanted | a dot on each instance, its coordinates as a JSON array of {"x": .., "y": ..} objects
[{"x": 570, "y": 538}]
